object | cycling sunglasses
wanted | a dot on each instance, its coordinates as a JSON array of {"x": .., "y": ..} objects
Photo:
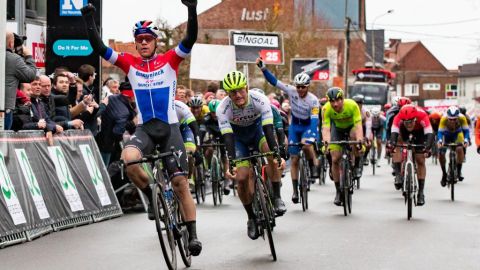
[
  {"x": 409, "y": 121},
  {"x": 301, "y": 86},
  {"x": 141, "y": 38}
]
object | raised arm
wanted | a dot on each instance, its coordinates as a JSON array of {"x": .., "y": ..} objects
[
  {"x": 93, "y": 36},
  {"x": 192, "y": 24}
]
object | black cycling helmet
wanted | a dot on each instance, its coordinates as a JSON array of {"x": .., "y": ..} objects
[
  {"x": 359, "y": 99},
  {"x": 463, "y": 109},
  {"x": 334, "y": 93}
]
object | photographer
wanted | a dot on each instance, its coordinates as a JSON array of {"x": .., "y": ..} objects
[{"x": 21, "y": 69}]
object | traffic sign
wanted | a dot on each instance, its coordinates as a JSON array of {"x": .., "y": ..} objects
[
  {"x": 318, "y": 69},
  {"x": 250, "y": 45}
]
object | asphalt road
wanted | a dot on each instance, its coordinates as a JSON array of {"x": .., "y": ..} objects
[{"x": 442, "y": 234}]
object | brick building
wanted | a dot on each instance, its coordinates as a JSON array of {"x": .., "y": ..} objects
[{"x": 419, "y": 74}]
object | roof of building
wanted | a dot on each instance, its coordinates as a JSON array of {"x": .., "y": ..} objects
[{"x": 469, "y": 70}]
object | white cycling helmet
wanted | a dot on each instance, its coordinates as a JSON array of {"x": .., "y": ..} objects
[
  {"x": 301, "y": 79},
  {"x": 376, "y": 112}
]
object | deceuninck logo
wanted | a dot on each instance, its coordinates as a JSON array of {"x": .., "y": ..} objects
[{"x": 71, "y": 7}]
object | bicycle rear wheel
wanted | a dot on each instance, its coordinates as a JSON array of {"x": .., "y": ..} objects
[
  {"x": 268, "y": 218},
  {"x": 409, "y": 189},
  {"x": 322, "y": 170},
  {"x": 164, "y": 226}
]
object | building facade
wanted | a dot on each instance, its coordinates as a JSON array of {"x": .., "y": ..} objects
[{"x": 419, "y": 74}]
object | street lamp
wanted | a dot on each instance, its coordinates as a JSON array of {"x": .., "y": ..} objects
[{"x": 373, "y": 34}]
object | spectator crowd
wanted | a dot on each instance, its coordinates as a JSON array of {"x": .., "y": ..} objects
[{"x": 66, "y": 101}]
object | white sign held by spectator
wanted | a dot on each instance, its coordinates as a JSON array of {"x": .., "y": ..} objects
[{"x": 212, "y": 62}]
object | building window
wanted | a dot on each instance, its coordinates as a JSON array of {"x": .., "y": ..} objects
[
  {"x": 431, "y": 86},
  {"x": 36, "y": 8},
  {"x": 451, "y": 91},
  {"x": 411, "y": 89},
  {"x": 399, "y": 90},
  {"x": 477, "y": 90},
  {"x": 11, "y": 10}
]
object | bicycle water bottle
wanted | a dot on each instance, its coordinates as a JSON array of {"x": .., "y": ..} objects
[{"x": 169, "y": 194}]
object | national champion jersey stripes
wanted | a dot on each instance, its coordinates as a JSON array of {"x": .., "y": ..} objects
[{"x": 154, "y": 81}]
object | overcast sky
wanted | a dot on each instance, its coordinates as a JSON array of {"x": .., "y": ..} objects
[{"x": 450, "y": 30}]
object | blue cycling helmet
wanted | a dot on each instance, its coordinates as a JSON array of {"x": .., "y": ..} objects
[{"x": 145, "y": 27}]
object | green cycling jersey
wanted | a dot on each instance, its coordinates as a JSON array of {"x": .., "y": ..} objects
[{"x": 348, "y": 117}]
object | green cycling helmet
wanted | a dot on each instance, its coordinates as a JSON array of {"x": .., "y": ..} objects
[
  {"x": 213, "y": 104},
  {"x": 234, "y": 80}
]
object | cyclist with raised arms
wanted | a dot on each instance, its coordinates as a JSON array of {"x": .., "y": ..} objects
[
  {"x": 154, "y": 78},
  {"x": 246, "y": 121},
  {"x": 412, "y": 121},
  {"x": 342, "y": 120},
  {"x": 303, "y": 124},
  {"x": 453, "y": 128}
]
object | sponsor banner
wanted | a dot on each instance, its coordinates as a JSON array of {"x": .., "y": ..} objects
[
  {"x": 32, "y": 183},
  {"x": 317, "y": 69},
  {"x": 250, "y": 45},
  {"x": 9, "y": 194},
  {"x": 42, "y": 185},
  {"x": 95, "y": 174},
  {"x": 71, "y": 7},
  {"x": 65, "y": 177}
]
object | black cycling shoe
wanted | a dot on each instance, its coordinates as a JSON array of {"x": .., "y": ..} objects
[
  {"x": 443, "y": 182},
  {"x": 365, "y": 162},
  {"x": 151, "y": 215},
  {"x": 195, "y": 247},
  {"x": 313, "y": 172},
  {"x": 252, "y": 229},
  {"x": 460, "y": 177},
  {"x": 279, "y": 207},
  {"x": 295, "y": 198},
  {"x": 398, "y": 182},
  {"x": 338, "y": 199},
  {"x": 420, "y": 198},
  {"x": 226, "y": 191}
]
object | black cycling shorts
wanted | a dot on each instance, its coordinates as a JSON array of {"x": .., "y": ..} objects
[
  {"x": 156, "y": 132},
  {"x": 418, "y": 135}
]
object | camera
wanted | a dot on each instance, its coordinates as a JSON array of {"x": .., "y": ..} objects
[{"x": 18, "y": 43}]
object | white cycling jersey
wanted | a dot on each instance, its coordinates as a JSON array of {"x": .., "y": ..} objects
[
  {"x": 301, "y": 108},
  {"x": 184, "y": 114},
  {"x": 258, "y": 107}
]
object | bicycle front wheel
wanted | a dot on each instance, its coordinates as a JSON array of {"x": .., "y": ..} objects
[
  {"x": 164, "y": 226},
  {"x": 303, "y": 184},
  {"x": 215, "y": 180},
  {"x": 409, "y": 189},
  {"x": 182, "y": 239},
  {"x": 268, "y": 218},
  {"x": 451, "y": 179},
  {"x": 344, "y": 185}
]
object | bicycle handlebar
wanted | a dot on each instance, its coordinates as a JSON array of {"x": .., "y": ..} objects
[
  {"x": 212, "y": 145},
  {"x": 238, "y": 160},
  {"x": 346, "y": 142}
]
